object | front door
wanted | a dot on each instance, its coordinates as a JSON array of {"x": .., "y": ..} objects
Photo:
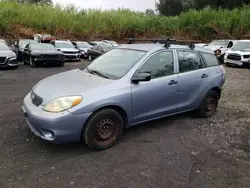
[
  {"x": 158, "y": 97},
  {"x": 192, "y": 79}
]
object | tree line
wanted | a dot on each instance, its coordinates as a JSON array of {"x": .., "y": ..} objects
[{"x": 175, "y": 7}]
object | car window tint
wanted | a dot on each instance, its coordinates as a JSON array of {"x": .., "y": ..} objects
[
  {"x": 159, "y": 65},
  {"x": 211, "y": 59},
  {"x": 189, "y": 61}
]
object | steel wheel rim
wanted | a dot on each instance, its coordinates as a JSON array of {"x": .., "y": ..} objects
[
  {"x": 210, "y": 104},
  {"x": 105, "y": 130}
]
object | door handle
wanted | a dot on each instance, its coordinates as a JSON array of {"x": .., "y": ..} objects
[
  {"x": 204, "y": 76},
  {"x": 172, "y": 82}
]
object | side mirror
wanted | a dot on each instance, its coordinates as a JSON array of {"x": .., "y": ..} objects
[
  {"x": 141, "y": 77},
  {"x": 58, "y": 49}
]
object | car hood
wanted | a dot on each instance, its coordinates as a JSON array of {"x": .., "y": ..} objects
[
  {"x": 73, "y": 82},
  {"x": 7, "y": 53},
  {"x": 245, "y": 52},
  {"x": 68, "y": 50},
  {"x": 212, "y": 47},
  {"x": 84, "y": 49}
]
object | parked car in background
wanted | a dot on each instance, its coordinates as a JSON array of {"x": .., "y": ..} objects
[
  {"x": 42, "y": 54},
  {"x": 111, "y": 42},
  {"x": 44, "y": 38},
  {"x": 220, "y": 47},
  {"x": 98, "y": 49},
  {"x": 7, "y": 57},
  {"x": 239, "y": 54},
  {"x": 83, "y": 46},
  {"x": 65, "y": 46},
  {"x": 19, "y": 46},
  {"x": 201, "y": 45},
  {"x": 126, "y": 86}
]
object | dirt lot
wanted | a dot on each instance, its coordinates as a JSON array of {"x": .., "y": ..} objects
[{"x": 180, "y": 151}]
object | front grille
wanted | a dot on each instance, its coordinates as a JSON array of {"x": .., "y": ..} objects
[
  {"x": 50, "y": 56},
  {"x": 2, "y": 59},
  {"x": 69, "y": 52},
  {"x": 234, "y": 57},
  {"x": 36, "y": 100},
  {"x": 246, "y": 56}
]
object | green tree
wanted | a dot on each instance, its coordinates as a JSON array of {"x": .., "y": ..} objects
[
  {"x": 149, "y": 12},
  {"x": 169, "y": 7},
  {"x": 44, "y": 2}
]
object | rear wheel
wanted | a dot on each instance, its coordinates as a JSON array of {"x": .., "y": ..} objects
[
  {"x": 103, "y": 129},
  {"x": 209, "y": 104}
]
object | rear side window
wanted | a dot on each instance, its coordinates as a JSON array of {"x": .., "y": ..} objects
[
  {"x": 189, "y": 61},
  {"x": 211, "y": 59}
]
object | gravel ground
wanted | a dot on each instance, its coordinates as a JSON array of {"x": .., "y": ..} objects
[{"x": 181, "y": 151}]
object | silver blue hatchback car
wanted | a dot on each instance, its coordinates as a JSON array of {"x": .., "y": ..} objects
[{"x": 128, "y": 85}]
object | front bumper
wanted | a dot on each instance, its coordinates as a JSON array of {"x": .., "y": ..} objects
[
  {"x": 61, "y": 127},
  {"x": 10, "y": 62},
  {"x": 76, "y": 56}
]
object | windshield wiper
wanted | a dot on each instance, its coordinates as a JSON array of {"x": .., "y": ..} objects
[{"x": 96, "y": 72}]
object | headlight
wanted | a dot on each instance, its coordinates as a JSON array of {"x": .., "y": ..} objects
[
  {"x": 12, "y": 57},
  {"x": 62, "y": 103}
]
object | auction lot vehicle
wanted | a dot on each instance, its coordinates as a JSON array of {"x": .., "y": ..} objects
[
  {"x": 44, "y": 38},
  {"x": 65, "y": 46},
  {"x": 98, "y": 49},
  {"x": 43, "y": 54},
  {"x": 239, "y": 54},
  {"x": 128, "y": 85},
  {"x": 220, "y": 47},
  {"x": 19, "y": 46},
  {"x": 111, "y": 42},
  {"x": 83, "y": 47},
  {"x": 7, "y": 57}
]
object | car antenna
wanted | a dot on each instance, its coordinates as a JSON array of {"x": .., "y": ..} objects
[
  {"x": 192, "y": 46},
  {"x": 167, "y": 43}
]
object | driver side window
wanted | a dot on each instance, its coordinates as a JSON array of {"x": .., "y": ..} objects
[{"x": 159, "y": 65}]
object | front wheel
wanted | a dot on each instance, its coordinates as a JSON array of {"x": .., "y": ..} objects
[
  {"x": 103, "y": 129},
  {"x": 209, "y": 105}
]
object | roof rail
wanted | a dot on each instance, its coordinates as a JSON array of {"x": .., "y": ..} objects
[{"x": 166, "y": 41}]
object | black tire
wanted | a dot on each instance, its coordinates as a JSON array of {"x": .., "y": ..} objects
[
  {"x": 32, "y": 63},
  {"x": 103, "y": 130},
  {"x": 222, "y": 59},
  {"x": 62, "y": 64},
  {"x": 209, "y": 105}
]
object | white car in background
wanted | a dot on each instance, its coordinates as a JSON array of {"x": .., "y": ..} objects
[
  {"x": 239, "y": 54},
  {"x": 220, "y": 47},
  {"x": 111, "y": 42}
]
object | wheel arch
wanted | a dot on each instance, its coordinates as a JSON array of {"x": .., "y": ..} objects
[{"x": 217, "y": 90}]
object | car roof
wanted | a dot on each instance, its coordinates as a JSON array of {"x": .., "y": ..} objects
[
  {"x": 148, "y": 47},
  {"x": 244, "y": 40},
  {"x": 62, "y": 41}
]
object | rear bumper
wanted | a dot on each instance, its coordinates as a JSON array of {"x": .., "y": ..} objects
[{"x": 58, "y": 128}]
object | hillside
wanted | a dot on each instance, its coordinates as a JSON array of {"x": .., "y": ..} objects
[{"x": 23, "y": 20}]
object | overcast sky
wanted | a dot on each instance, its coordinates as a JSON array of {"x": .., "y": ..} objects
[{"x": 140, "y": 5}]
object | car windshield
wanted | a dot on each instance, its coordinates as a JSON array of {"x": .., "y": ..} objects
[
  {"x": 83, "y": 45},
  {"x": 115, "y": 63},
  {"x": 241, "y": 46},
  {"x": 219, "y": 43},
  {"x": 3, "y": 46},
  {"x": 64, "y": 45},
  {"x": 43, "y": 47},
  {"x": 23, "y": 43}
]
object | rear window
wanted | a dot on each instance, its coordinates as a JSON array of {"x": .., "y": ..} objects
[{"x": 211, "y": 59}]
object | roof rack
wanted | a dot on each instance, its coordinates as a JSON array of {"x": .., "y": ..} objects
[{"x": 166, "y": 41}]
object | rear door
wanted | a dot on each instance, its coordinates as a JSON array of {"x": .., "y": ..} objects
[
  {"x": 157, "y": 97},
  {"x": 193, "y": 77}
]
